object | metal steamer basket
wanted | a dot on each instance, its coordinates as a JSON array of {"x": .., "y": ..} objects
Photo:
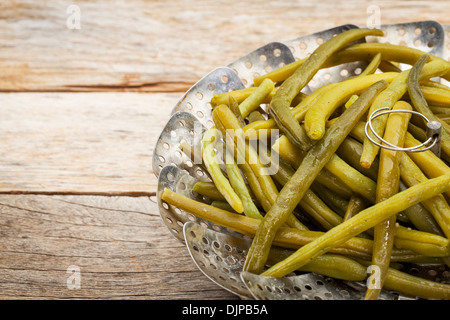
[{"x": 219, "y": 252}]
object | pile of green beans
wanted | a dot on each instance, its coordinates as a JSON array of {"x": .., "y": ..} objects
[{"x": 336, "y": 203}]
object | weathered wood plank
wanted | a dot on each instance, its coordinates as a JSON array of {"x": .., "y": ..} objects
[
  {"x": 80, "y": 142},
  {"x": 119, "y": 244},
  {"x": 162, "y": 45}
]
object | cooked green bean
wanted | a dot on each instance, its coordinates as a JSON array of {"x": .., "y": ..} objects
[
  {"x": 389, "y": 52},
  {"x": 254, "y": 100},
  {"x": 334, "y": 201},
  {"x": 330, "y": 265},
  {"x": 436, "y": 96},
  {"x": 239, "y": 186},
  {"x": 239, "y": 95},
  {"x": 281, "y": 101},
  {"x": 280, "y": 74},
  {"x": 437, "y": 206},
  {"x": 255, "y": 116},
  {"x": 234, "y": 106},
  {"x": 262, "y": 184},
  {"x": 366, "y": 219},
  {"x": 208, "y": 189},
  {"x": 286, "y": 237},
  {"x": 393, "y": 93},
  {"x": 387, "y": 185},
  {"x": 293, "y": 191},
  {"x": 315, "y": 118},
  {"x": 420, "y": 103},
  {"x": 422, "y": 242},
  {"x": 212, "y": 164},
  {"x": 355, "y": 206},
  {"x": 415, "y": 286},
  {"x": 352, "y": 178}
]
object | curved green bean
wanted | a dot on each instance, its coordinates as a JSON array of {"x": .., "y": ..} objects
[
  {"x": 366, "y": 219},
  {"x": 420, "y": 103},
  {"x": 281, "y": 101},
  {"x": 212, "y": 165},
  {"x": 294, "y": 190}
]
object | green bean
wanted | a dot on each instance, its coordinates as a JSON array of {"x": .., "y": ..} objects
[
  {"x": 222, "y": 205},
  {"x": 415, "y": 286},
  {"x": 239, "y": 95},
  {"x": 421, "y": 105},
  {"x": 330, "y": 265},
  {"x": 239, "y": 186},
  {"x": 293, "y": 191},
  {"x": 257, "y": 97},
  {"x": 286, "y": 237},
  {"x": 261, "y": 182},
  {"x": 280, "y": 74},
  {"x": 310, "y": 202},
  {"x": 420, "y": 217},
  {"x": 389, "y": 52},
  {"x": 387, "y": 185},
  {"x": 212, "y": 164},
  {"x": 234, "y": 106},
  {"x": 315, "y": 118},
  {"x": 208, "y": 189},
  {"x": 355, "y": 206},
  {"x": 349, "y": 176},
  {"x": 421, "y": 242},
  {"x": 279, "y": 106},
  {"x": 334, "y": 201},
  {"x": 393, "y": 93},
  {"x": 437, "y": 206},
  {"x": 255, "y": 116},
  {"x": 436, "y": 96},
  {"x": 366, "y": 219}
]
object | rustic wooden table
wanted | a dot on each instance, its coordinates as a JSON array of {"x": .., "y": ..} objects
[{"x": 86, "y": 88}]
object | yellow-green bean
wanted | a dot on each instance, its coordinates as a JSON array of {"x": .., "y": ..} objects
[
  {"x": 256, "y": 98},
  {"x": 212, "y": 164},
  {"x": 366, "y": 219},
  {"x": 294, "y": 190}
]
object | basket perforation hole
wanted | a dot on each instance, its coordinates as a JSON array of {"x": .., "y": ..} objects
[
  {"x": 430, "y": 44},
  {"x": 199, "y": 95},
  {"x": 418, "y": 31},
  {"x": 401, "y": 31},
  {"x": 277, "y": 52},
  {"x": 432, "y": 30},
  {"x": 248, "y": 64},
  {"x": 224, "y": 78},
  {"x": 263, "y": 58},
  {"x": 200, "y": 114}
]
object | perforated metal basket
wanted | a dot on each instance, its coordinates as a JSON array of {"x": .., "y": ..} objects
[{"x": 218, "y": 252}]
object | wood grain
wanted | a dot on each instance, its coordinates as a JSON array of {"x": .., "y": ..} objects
[
  {"x": 70, "y": 125},
  {"x": 162, "y": 46},
  {"x": 90, "y": 143},
  {"x": 119, "y": 244}
]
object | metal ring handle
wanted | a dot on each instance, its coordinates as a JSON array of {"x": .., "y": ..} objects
[{"x": 419, "y": 148}]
